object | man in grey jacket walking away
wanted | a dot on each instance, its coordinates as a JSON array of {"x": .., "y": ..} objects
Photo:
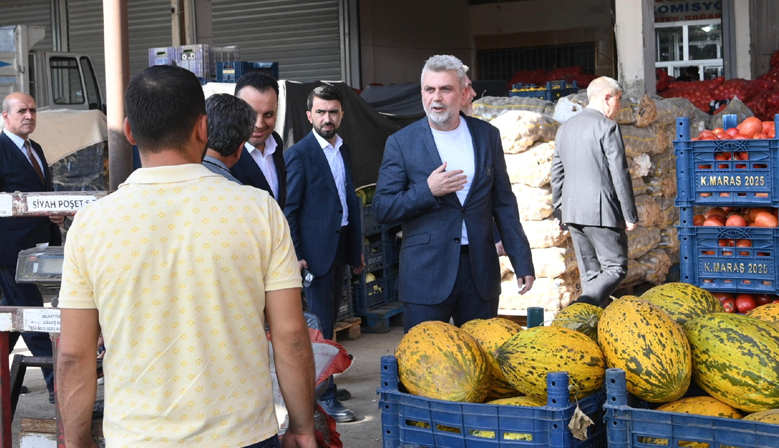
[{"x": 591, "y": 185}]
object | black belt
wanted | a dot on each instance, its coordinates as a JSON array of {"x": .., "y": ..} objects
[{"x": 464, "y": 249}]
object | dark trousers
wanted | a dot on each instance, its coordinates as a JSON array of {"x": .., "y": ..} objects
[
  {"x": 272, "y": 442},
  {"x": 602, "y": 255},
  {"x": 463, "y": 304},
  {"x": 323, "y": 297},
  {"x": 26, "y": 294}
]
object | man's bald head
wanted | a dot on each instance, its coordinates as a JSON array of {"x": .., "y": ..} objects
[{"x": 19, "y": 114}]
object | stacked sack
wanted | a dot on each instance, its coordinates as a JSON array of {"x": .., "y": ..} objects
[
  {"x": 648, "y": 127},
  {"x": 528, "y": 144}
]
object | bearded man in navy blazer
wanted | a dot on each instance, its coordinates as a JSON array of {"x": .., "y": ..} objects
[
  {"x": 324, "y": 219},
  {"x": 444, "y": 178},
  {"x": 23, "y": 168}
]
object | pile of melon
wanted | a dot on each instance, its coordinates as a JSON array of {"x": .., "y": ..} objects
[{"x": 673, "y": 334}]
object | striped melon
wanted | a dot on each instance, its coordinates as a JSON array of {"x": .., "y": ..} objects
[
  {"x": 438, "y": 360},
  {"x": 683, "y": 301},
  {"x": 769, "y": 416},
  {"x": 491, "y": 334},
  {"x": 735, "y": 360},
  {"x": 581, "y": 317},
  {"x": 701, "y": 406},
  {"x": 519, "y": 401},
  {"x": 649, "y": 346},
  {"x": 530, "y": 355},
  {"x": 767, "y": 313}
]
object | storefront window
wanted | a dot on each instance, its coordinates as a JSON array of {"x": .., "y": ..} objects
[
  {"x": 705, "y": 41},
  {"x": 670, "y": 44},
  {"x": 690, "y": 50}
]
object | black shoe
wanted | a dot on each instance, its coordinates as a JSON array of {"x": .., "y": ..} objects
[
  {"x": 343, "y": 395},
  {"x": 51, "y": 397},
  {"x": 335, "y": 409},
  {"x": 24, "y": 390}
]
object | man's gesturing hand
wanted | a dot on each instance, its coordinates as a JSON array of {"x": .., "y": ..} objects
[{"x": 442, "y": 182}]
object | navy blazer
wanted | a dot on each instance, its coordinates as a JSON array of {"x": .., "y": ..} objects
[
  {"x": 432, "y": 227},
  {"x": 313, "y": 208},
  {"x": 248, "y": 172},
  {"x": 17, "y": 174}
]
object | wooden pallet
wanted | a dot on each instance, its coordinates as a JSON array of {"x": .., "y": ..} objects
[
  {"x": 350, "y": 328},
  {"x": 378, "y": 320}
]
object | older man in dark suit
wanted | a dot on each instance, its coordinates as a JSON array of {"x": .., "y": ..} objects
[
  {"x": 324, "y": 218},
  {"x": 23, "y": 168},
  {"x": 591, "y": 185},
  {"x": 261, "y": 164},
  {"x": 444, "y": 178}
]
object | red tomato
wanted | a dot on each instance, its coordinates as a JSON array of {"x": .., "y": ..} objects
[
  {"x": 732, "y": 131},
  {"x": 766, "y": 219},
  {"x": 724, "y": 136},
  {"x": 715, "y": 211},
  {"x": 763, "y": 299},
  {"x": 722, "y": 296},
  {"x": 705, "y": 134},
  {"x": 725, "y": 243},
  {"x": 736, "y": 221},
  {"x": 714, "y": 220},
  {"x": 745, "y": 302},
  {"x": 729, "y": 305},
  {"x": 697, "y": 220},
  {"x": 750, "y": 126},
  {"x": 743, "y": 243},
  {"x": 728, "y": 210},
  {"x": 718, "y": 131}
]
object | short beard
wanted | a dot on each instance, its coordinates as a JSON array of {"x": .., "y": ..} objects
[
  {"x": 441, "y": 119},
  {"x": 327, "y": 135}
]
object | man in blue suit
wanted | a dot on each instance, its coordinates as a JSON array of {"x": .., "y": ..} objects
[
  {"x": 23, "y": 168},
  {"x": 444, "y": 178},
  {"x": 261, "y": 164},
  {"x": 324, "y": 218}
]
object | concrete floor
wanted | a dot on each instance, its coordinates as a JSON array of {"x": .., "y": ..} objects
[{"x": 362, "y": 380}]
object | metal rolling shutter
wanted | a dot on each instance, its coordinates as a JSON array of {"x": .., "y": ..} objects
[
  {"x": 28, "y": 12},
  {"x": 303, "y": 36},
  {"x": 149, "y": 26}
]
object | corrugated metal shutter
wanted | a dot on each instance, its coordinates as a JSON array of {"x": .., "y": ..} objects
[
  {"x": 28, "y": 12},
  {"x": 149, "y": 26},
  {"x": 303, "y": 36}
]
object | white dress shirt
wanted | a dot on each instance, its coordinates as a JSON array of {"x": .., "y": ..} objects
[
  {"x": 19, "y": 142},
  {"x": 264, "y": 159},
  {"x": 456, "y": 149},
  {"x": 337, "y": 167}
]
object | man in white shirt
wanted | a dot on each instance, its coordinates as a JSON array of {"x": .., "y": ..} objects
[
  {"x": 444, "y": 178},
  {"x": 324, "y": 218},
  {"x": 262, "y": 163},
  {"x": 23, "y": 168}
]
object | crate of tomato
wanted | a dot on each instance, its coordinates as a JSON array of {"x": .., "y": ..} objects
[
  {"x": 730, "y": 249},
  {"x": 733, "y": 165}
]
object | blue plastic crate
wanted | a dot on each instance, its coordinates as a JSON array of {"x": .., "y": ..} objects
[
  {"x": 554, "y": 90},
  {"x": 162, "y": 56},
  {"x": 429, "y": 423},
  {"x": 703, "y": 180},
  {"x": 346, "y": 309},
  {"x": 367, "y": 296},
  {"x": 376, "y": 253},
  {"x": 230, "y": 71},
  {"x": 707, "y": 264},
  {"x": 629, "y": 427},
  {"x": 368, "y": 224}
]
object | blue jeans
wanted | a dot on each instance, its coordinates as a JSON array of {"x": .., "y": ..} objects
[{"x": 273, "y": 442}]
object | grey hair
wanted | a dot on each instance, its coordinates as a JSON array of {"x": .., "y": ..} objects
[
  {"x": 444, "y": 63},
  {"x": 6, "y": 105},
  {"x": 603, "y": 86},
  {"x": 230, "y": 123}
]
